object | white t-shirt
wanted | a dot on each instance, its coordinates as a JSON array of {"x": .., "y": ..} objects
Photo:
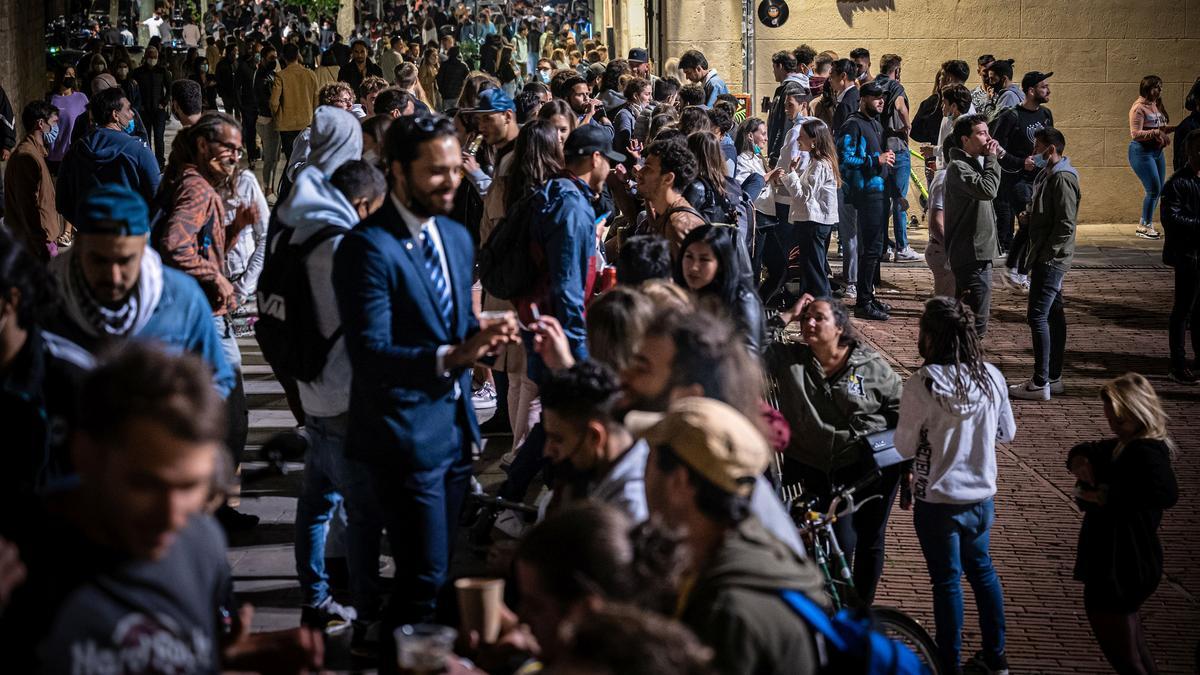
[{"x": 937, "y": 191}]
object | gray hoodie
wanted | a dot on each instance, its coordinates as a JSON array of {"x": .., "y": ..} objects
[
  {"x": 951, "y": 437},
  {"x": 312, "y": 205},
  {"x": 333, "y": 138}
]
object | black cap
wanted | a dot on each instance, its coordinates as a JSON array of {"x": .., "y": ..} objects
[
  {"x": 638, "y": 55},
  {"x": 1033, "y": 79},
  {"x": 872, "y": 89},
  {"x": 590, "y": 138}
]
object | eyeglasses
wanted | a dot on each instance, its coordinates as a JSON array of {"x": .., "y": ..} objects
[
  {"x": 344, "y": 101},
  {"x": 237, "y": 150}
]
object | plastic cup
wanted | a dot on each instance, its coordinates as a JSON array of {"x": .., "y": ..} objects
[
  {"x": 480, "y": 602},
  {"x": 424, "y": 649}
]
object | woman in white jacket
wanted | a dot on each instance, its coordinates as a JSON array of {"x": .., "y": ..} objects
[
  {"x": 812, "y": 189},
  {"x": 952, "y": 413}
]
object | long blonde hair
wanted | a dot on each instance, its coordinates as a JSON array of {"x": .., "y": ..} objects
[{"x": 1132, "y": 397}]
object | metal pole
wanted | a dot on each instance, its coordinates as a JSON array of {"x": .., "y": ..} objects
[{"x": 748, "y": 45}]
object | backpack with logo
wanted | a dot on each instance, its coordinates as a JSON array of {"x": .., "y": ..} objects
[
  {"x": 287, "y": 329},
  {"x": 506, "y": 265},
  {"x": 849, "y": 643}
]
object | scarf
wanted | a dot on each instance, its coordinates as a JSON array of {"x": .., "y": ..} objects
[{"x": 94, "y": 317}]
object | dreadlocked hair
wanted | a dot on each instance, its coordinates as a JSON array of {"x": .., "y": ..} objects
[{"x": 948, "y": 338}]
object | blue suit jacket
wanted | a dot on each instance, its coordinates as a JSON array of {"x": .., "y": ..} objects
[{"x": 402, "y": 411}]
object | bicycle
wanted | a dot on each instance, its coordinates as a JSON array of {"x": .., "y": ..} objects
[{"x": 816, "y": 531}]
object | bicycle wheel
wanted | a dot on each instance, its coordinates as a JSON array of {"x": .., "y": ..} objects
[{"x": 904, "y": 629}]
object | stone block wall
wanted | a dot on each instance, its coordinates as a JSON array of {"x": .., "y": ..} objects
[
  {"x": 22, "y": 54},
  {"x": 1098, "y": 49}
]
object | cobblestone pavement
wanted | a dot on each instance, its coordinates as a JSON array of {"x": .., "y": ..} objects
[{"x": 1117, "y": 300}]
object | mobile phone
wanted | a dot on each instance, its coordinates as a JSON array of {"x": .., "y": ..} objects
[{"x": 602, "y": 217}]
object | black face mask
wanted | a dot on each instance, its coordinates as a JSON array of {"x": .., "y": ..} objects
[{"x": 68, "y": 82}]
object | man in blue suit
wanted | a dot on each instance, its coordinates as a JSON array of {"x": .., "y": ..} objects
[{"x": 403, "y": 285}]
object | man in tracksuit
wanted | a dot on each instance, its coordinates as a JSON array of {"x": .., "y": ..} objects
[{"x": 865, "y": 167}]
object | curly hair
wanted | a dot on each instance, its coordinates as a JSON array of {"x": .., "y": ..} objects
[
  {"x": 674, "y": 156},
  {"x": 331, "y": 92}
]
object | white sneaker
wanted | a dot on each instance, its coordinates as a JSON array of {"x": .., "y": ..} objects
[
  {"x": 851, "y": 292},
  {"x": 907, "y": 254},
  {"x": 484, "y": 398},
  {"x": 1147, "y": 231},
  {"x": 1028, "y": 391},
  {"x": 1024, "y": 285},
  {"x": 888, "y": 254},
  {"x": 1013, "y": 277},
  {"x": 1057, "y": 388}
]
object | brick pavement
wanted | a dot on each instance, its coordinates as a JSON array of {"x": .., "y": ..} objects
[
  {"x": 1116, "y": 301},
  {"x": 1111, "y": 330}
]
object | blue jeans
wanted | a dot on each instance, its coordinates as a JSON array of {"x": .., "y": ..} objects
[
  {"x": 330, "y": 477},
  {"x": 897, "y": 190},
  {"x": 1151, "y": 168},
  {"x": 954, "y": 539},
  {"x": 1048, "y": 322},
  {"x": 848, "y": 238}
]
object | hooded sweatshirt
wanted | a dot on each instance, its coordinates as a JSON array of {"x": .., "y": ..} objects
[
  {"x": 334, "y": 138},
  {"x": 312, "y": 205},
  {"x": 735, "y": 605},
  {"x": 1053, "y": 214},
  {"x": 953, "y": 437},
  {"x": 829, "y": 416},
  {"x": 104, "y": 157}
]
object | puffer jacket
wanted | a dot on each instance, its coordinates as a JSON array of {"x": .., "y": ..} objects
[{"x": 1181, "y": 218}]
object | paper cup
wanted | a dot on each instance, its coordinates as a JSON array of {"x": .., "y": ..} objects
[{"x": 479, "y": 605}]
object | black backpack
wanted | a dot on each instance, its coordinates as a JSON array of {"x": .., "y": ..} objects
[
  {"x": 506, "y": 266},
  {"x": 287, "y": 329}
]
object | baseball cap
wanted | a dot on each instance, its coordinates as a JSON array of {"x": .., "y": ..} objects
[
  {"x": 590, "y": 138},
  {"x": 638, "y": 55},
  {"x": 711, "y": 437},
  {"x": 871, "y": 89},
  {"x": 113, "y": 209},
  {"x": 1033, "y": 78},
  {"x": 492, "y": 101}
]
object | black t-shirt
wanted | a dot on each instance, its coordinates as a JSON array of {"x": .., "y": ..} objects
[
  {"x": 85, "y": 608},
  {"x": 1014, "y": 130}
]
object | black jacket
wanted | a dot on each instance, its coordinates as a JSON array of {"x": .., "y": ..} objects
[
  {"x": 927, "y": 121},
  {"x": 264, "y": 80},
  {"x": 227, "y": 84},
  {"x": 38, "y": 408},
  {"x": 350, "y": 75},
  {"x": 845, "y": 108},
  {"x": 1181, "y": 219},
  {"x": 450, "y": 79},
  {"x": 1187, "y": 126},
  {"x": 245, "y": 84},
  {"x": 778, "y": 123},
  {"x": 155, "y": 84},
  {"x": 1118, "y": 540},
  {"x": 8, "y": 124}
]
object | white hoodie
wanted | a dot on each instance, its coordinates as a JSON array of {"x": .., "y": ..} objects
[{"x": 951, "y": 438}]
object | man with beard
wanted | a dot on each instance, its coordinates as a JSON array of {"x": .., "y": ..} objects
[
  {"x": 697, "y": 354},
  {"x": 192, "y": 239},
  {"x": 403, "y": 284},
  {"x": 115, "y": 288},
  {"x": 360, "y": 67},
  {"x": 865, "y": 168},
  {"x": 594, "y": 455},
  {"x": 1014, "y": 129}
]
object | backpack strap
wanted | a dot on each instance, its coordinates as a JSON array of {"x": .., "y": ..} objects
[
  {"x": 815, "y": 617},
  {"x": 319, "y": 237},
  {"x": 684, "y": 209}
]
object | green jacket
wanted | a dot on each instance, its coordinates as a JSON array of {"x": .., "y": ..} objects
[
  {"x": 970, "y": 220},
  {"x": 1053, "y": 215},
  {"x": 735, "y": 606},
  {"x": 829, "y": 416}
]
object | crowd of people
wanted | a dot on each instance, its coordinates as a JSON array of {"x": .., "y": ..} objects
[{"x": 457, "y": 210}]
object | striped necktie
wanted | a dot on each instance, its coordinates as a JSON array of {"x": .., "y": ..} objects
[{"x": 433, "y": 265}]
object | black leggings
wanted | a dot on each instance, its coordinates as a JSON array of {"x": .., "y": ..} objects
[{"x": 861, "y": 535}]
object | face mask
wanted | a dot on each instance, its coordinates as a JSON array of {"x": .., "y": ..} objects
[
  {"x": 371, "y": 157},
  {"x": 204, "y": 67},
  {"x": 122, "y": 73},
  {"x": 152, "y": 62},
  {"x": 68, "y": 82},
  {"x": 129, "y": 127},
  {"x": 50, "y": 135},
  {"x": 1039, "y": 161},
  {"x": 544, "y": 76}
]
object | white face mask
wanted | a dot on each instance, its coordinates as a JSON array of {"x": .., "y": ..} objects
[{"x": 371, "y": 156}]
